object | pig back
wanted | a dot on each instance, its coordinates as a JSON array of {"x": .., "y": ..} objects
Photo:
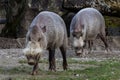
[
  {"x": 90, "y": 22},
  {"x": 56, "y": 34}
]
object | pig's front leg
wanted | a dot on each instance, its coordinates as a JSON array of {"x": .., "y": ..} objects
[
  {"x": 35, "y": 69},
  {"x": 52, "y": 65}
]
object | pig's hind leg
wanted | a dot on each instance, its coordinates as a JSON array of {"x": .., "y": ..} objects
[
  {"x": 35, "y": 69},
  {"x": 103, "y": 38}
]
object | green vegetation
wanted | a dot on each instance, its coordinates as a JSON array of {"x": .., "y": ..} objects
[
  {"x": 101, "y": 70},
  {"x": 112, "y": 21}
]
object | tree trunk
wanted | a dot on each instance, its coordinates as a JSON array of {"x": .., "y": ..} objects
[{"x": 15, "y": 11}]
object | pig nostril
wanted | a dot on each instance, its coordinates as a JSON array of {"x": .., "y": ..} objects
[
  {"x": 76, "y": 48},
  {"x": 31, "y": 63},
  {"x": 78, "y": 54}
]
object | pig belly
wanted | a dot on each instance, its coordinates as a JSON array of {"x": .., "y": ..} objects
[{"x": 91, "y": 35}]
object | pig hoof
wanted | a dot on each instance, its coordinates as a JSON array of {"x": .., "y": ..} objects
[
  {"x": 78, "y": 54},
  {"x": 52, "y": 70},
  {"x": 34, "y": 73},
  {"x": 65, "y": 68}
]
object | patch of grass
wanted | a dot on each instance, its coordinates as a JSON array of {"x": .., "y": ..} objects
[
  {"x": 105, "y": 70},
  {"x": 69, "y": 60},
  {"x": 15, "y": 70},
  {"x": 92, "y": 62},
  {"x": 48, "y": 78}
]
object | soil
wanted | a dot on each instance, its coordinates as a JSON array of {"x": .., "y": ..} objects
[{"x": 11, "y": 54}]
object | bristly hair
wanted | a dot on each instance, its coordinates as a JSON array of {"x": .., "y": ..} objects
[{"x": 30, "y": 49}]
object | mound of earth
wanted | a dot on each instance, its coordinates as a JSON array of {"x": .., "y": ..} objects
[{"x": 7, "y": 43}]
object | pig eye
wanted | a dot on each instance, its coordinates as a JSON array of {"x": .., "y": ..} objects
[
  {"x": 39, "y": 39},
  {"x": 74, "y": 35},
  {"x": 80, "y": 34},
  {"x": 77, "y": 48},
  {"x": 77, "y": 34},
  {"x": 29, "y": 38},
  {"x": 27, "y": 56}
]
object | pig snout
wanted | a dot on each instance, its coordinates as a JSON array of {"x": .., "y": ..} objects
[
  {"x": 78, "y": 44},
  {"x": 33, "y": 59},
  {"x": 31, "y": 62},
  {"x": 78, "y": 51}
]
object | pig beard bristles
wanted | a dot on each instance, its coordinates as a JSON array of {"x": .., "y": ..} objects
[
  {"x": 78, "y": 42},
  {"x": 81, "y": 41},
  {"x": 32, "y": 49}
]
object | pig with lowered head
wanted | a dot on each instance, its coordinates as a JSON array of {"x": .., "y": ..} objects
[
  {"x": 46, "y": 32},
  {"x": 85, "y": 26}
]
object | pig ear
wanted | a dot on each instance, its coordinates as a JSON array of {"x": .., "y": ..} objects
[
  {"x": 35, "y": 29},
  {"x": 44, "y": 29}
]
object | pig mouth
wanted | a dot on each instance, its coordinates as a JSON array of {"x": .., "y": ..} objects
[
  {"x": 79, "y": 52},
  {"x": 31, "y": 62}
]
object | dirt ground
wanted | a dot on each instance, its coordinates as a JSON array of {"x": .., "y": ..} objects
[{"x": 11, "y": 54}]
